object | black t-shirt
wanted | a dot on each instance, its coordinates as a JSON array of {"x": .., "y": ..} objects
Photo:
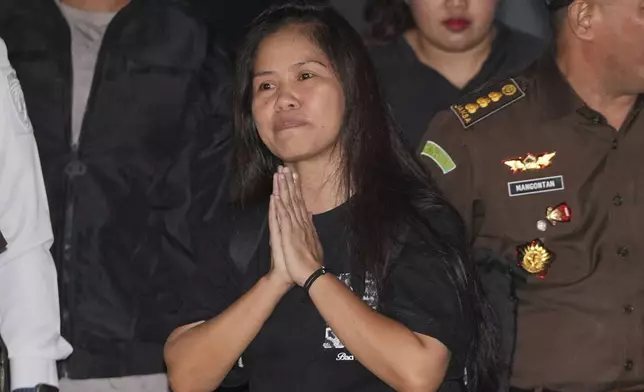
[
  {"x": 296, "y": 350},
  {"x": 417, "y": 92}
]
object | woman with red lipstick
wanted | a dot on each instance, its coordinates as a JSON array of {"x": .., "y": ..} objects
[
  {"x": 356, "y": 274},
  {"x": 430, "y": 52}
]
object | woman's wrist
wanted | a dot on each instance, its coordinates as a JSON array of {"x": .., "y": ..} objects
[
  {"x": 277, "y": 283},
  {"x": 315, "y": 275},
  {"x": 304, "y": 270}
]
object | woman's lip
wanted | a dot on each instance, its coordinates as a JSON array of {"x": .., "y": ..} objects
[
  {"x": 457, "y": 24},
  {"x": 284, "y": 125}
]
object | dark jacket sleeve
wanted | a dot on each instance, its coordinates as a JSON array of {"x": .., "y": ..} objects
[
  {"x": 211, "y": 152},
  {"x": 190, "y": 196}
]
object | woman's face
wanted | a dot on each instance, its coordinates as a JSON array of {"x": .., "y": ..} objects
[
  {"x": 454, "y": 25},
  {"x": 298, "y": 102}
]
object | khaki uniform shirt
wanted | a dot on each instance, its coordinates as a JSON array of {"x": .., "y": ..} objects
[{"x": 527, "y": 149}]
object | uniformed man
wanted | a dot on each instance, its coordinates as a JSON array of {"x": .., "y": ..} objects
[
  {"x": 545, "y": 169},
  {"x": 29, "y": 318}
]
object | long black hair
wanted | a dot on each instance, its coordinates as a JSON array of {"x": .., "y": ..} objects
[
  {"x": 390, "y": 192},
  {"x": 387, "y": 19}
]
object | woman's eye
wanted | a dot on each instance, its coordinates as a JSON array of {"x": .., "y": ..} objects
[
  {"x": 306, "y": 75},
  {"x": 264, "y": 86}
]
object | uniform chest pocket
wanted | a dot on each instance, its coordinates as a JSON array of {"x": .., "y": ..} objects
[
  {"x": 528, "y": 205},
  {"x": 544, "y": 222}
]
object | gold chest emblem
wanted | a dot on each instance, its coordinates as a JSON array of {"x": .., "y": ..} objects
[
  {"x": 535, "y": 258},
  {"x": 530, "y": 162}
]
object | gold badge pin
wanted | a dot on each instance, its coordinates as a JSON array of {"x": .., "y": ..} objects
[
  {"x": 471, "y": 108},
  {"x": 535, "y": 258},
  {"x": 495, "y": 96},
  {"x": 509, "y": 90},
  {"x": 530, "y": 162},
  {"x": 483, "y": 102}
]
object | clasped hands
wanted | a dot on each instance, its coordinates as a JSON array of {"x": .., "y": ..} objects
[{"x": 296, "y": 252}]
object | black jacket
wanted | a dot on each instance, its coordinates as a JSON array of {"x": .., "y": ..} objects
[{"x": 156, "y": 115}]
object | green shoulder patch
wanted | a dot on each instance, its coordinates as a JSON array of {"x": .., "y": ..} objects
[
  {"x": 481, "y": 104},
  {"x": 439, "y": 156}
]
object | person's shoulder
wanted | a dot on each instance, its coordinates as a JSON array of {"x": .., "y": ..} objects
[
  {"x": 173, "y": 4},
  {"x": 494, "y": 99},
  {"x": 176, "y": 9},
  {"x": 180, "y": 23},
  {"x": 494, "y": 106},
  {"x": 434, "y": 228}
]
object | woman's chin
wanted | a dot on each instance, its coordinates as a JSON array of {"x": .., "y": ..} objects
[
  {"x": 298, "y": 151},
  {"x": 295, "y": 157}
]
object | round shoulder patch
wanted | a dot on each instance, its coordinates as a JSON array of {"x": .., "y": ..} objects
[{"x": 18, "y": 99}]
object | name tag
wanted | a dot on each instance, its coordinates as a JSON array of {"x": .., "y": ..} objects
[{"x": 537, "y": 185}]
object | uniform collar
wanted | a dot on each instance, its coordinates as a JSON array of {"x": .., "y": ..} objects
[{"x": 554, "y": 92}]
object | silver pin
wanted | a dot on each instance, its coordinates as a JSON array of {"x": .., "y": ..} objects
[{"x": 542, "y": 225}]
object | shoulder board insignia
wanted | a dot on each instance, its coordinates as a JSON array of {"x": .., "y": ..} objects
[{"x": 479, "y": 105}]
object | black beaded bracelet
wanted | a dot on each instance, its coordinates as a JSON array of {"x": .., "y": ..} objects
[{"x": 314, "y": 276}]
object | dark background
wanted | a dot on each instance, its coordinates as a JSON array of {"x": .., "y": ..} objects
[{"x": 229, "y": 18}]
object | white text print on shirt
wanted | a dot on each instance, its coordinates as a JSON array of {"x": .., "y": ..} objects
[{"x": 370, "y": 297}]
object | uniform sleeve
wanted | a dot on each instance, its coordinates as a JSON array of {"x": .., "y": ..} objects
[
  {"x": 29, "y": 309},
  {"x": 444, "y": 153},
  {"x": 420, "y": 293}
]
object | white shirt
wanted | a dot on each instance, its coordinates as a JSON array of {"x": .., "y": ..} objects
[{"x": 29, "y": 310}]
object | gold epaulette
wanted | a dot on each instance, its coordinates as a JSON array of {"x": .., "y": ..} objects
[{"x": 481, "y": 104}]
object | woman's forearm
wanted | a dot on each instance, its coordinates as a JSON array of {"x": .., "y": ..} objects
[
  {"x": 198, "y": 357},
  {"x": 403, "y": 359}
]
